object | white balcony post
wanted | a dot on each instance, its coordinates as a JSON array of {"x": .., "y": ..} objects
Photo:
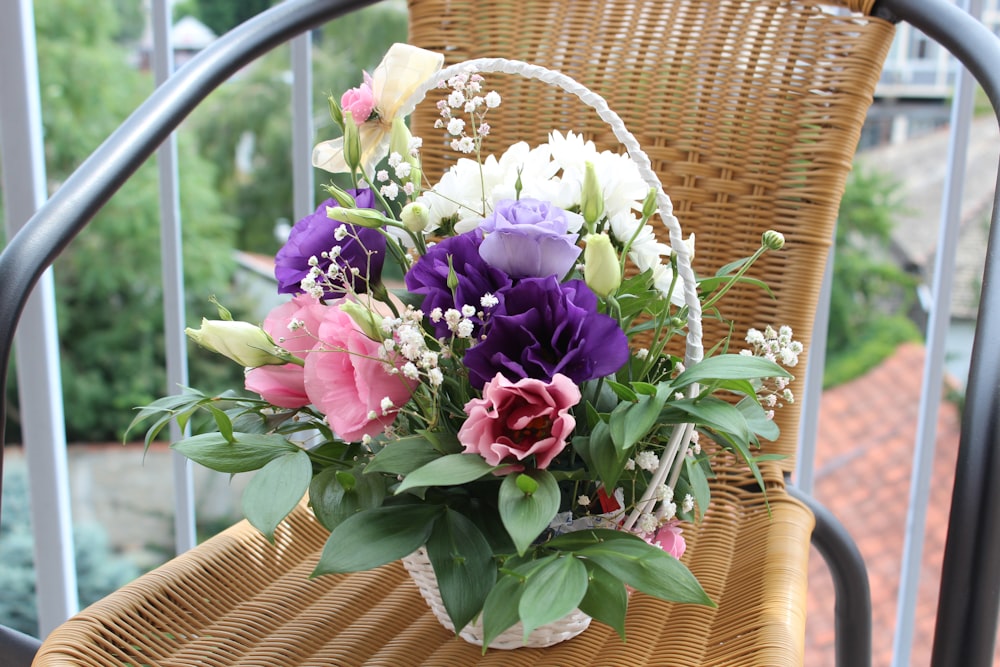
[
  {"x": 303, "y": 195},
  {"x": 37, "y": 351},
  {"x": 171, "y": 256}
]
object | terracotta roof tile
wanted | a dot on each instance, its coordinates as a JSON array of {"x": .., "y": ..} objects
[{"x": 867, "y": 429}]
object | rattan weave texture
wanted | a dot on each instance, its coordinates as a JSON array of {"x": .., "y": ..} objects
[
  {"x": 750, "y": 111},
  {"x": 238, "y": 600}
]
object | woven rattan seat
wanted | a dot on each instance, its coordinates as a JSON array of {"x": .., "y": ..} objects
[{"x": 750, "y": 111}]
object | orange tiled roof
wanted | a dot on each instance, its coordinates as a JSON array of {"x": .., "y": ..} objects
[{"x": 867, "y": 430}]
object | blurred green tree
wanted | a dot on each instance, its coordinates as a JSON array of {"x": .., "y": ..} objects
[
  {"x": 108, "y": 281},
  {"x": 871, "y": 293}
]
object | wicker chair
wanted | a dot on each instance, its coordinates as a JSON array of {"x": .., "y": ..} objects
[{"x": 751, "y": 111}]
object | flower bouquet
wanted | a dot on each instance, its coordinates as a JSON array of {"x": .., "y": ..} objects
[{"x": 512, "y": 419}]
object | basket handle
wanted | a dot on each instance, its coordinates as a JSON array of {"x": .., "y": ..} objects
[{"x": 694, "y": 350}]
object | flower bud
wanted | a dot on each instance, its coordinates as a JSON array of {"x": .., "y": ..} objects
[
  {"x": 352, "y": 143},
  {"x": 335, "y": 113},
  {"x": 362, "y": 217},
  {"x": 364, "y": 318},
  {"x": 602, "y": 273},
  {"x": 246, "y": 344},
  {"x": 342, "y": 197},
  {"x": 399, "y": 140},
  {"x": 415, "y": 217},
  {"x": 591, "y": 198},
  {"x": 772, "y": 240},
  {"x": 649, "y": 204}
]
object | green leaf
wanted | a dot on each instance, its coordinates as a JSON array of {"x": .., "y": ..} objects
[
  {"x": 604, "y": 457},
  {"x": 552, "y": 592},
  {"x": 649, "y": 569},
  {"x": 623, "y": 391},
  {"x": 445, "y": 443},
  {"x": 716, "y": 413},
  {"x": 729, "y": 367},
  {"x": 757, "y": 419},
  {"x": 500, "y": 608},
  {"x": 221, "y": 421},
  {"x": 579, "y": 539},
  {"x": 246, "y": 452},
  {"x": 403, "y": 456},
  {"x": 447, "y": 470},
  {"x": 371, "y": 538},
  {"x": 525, "y": 515},
  {"x": 275, "y": 491},
  {"x": 333, "y": 502},
  {"x": 606, "y": 599},
  {"x": 631, "y": 424},
  {"x": 463, "y": 564},
  {"x": 699, "y": 485}
]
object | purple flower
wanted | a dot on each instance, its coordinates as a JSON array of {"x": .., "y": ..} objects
[
  {"x": 545, "y": 327},
  {"x": 429, "y": 276},
  {"x": 529, "y": 238},
  {"x": 315, "y": 234}
]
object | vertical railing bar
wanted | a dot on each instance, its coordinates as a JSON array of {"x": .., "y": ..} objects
[
  {"x": 937, "y": 326},
  {"x": 43, "y": 430},
  {"x": 812, "y": 393},
  {"x": 171, "y": 256},
  {"x": 303, "y": 190}
]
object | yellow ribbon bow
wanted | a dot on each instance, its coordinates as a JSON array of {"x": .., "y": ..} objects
[{"x": 403, "y": 69}]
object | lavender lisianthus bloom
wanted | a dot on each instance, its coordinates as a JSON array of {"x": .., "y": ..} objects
[
  {"x": 529, "y": 238},
  {"x": 545, "y": 327},
  {"x": 475, "y": 278},
  {"x": 316, "y": 234}
]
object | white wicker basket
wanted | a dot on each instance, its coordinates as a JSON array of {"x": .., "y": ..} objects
[{"x": 419, "y": 567}]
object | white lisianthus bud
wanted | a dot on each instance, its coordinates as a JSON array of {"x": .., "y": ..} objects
[
  {"x": 362, "y": 217},
  {"x": 602, "y": 272},
  {"x": 415, "y": 217},
  {"x": 342, "y": 197},
  {"x": 246, "y": 344},
  {"x": 352, "y": 143},
  {"x": 591, "y": 197},
  {"x": 772, "y": 240}
]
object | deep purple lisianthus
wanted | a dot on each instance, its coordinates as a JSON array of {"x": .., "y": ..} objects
[
  {"x": 529, "y": 238},
  {"x": 546, "y": 327},
  {"x": 314, "y": 235},
  {"x": 429, "y": 276}
]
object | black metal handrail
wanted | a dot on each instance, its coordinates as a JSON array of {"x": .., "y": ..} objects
[{"x": 966, "y": 626}]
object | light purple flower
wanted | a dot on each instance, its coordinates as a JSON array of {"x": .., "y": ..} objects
[{"x": 529, "y": 238}]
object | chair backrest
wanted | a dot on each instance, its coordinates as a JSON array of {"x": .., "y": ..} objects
[{"x": 750, "y": 112}]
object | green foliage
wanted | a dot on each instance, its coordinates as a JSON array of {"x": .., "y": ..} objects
[
  {"x": 99, "y": 570},
  {"x": 108, "y": 281},
  {"x": 871, "y": 293},
  {"x": 221, "y": 15},
  {"x": 250, "y": 116},
  {"x": 880, "y": 340}
]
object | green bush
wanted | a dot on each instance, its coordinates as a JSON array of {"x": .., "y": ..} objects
[
  {"x": 870, "y": 293},
  {"x": 99, "y": 570}
]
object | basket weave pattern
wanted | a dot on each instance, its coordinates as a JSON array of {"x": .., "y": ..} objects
[{"x": 422, "y": 573}]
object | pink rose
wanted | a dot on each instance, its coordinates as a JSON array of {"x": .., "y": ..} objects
[
  {"x": 515, "y": 420},
  {"x": 360, "y": 101},
  {"x": 669, "y": 538},
  {"x": 347, "y": 382},
  {"x": 284, "y": 385}
]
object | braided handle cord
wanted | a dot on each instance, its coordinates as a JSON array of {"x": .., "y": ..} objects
[{"x": 669, "y": 468}]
